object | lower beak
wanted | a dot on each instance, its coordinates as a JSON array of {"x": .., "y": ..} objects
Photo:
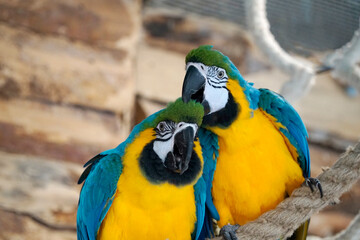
[
  {"x": 193, "y": 86},
  {"x": 183, "y": 147}
]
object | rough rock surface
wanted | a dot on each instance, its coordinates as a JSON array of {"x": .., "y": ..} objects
[
  {"x": 67, "y": 75},
  {"x": 38, "y": 197},
  {"x": 67, "y": 90}
]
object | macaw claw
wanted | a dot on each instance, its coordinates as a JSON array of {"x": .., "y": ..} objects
[
  {"x": 229, "y": 231},
  {"x": 311, "y": 182}
]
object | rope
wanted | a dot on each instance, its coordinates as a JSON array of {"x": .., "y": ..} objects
[
  {"x": 293, "y": 211},
  {"x": 302, "y": 72},
  {"x": 352, "y": 232},
  {"x": 344, "y": 61}
]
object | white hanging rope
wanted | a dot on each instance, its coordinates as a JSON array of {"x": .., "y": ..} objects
[
  {"x": 302, "y": 73},
  {"x": 344, "y": 62}
]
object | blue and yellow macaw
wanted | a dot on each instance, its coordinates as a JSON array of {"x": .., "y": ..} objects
[
  {"x": 150, "y": 186},
  {"x": 254, "y": 142}
]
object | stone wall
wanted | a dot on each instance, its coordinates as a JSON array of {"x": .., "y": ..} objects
[
  {"x": 67, "y": 75},
  {"x": 67, "y": 91}
]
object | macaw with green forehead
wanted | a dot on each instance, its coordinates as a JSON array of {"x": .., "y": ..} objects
[
  {"x": 150, "y": 186},
  {"x": 254, "y": 142}
]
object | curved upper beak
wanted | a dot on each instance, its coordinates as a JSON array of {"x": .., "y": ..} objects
[
  {"x": 182, "y": 151},
  {"x": 193, "y": 86}
]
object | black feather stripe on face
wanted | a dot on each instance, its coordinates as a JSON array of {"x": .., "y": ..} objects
[
  {"x": 224, "y": 117},
  {"x": 155, "y": 171}
]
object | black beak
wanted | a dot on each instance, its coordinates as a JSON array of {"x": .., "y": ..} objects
[
  {"x": 194, "y": 85},
  {"x": 178, "y": 161}
]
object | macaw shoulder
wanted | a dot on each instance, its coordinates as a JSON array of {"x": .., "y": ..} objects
[
  {"x": 97, "y": 193},
  {"x": 289, "y": 123},
  {"x": 100, "y": 179}
]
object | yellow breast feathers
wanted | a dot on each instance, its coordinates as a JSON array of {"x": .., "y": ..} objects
[
  {"x": 143, "y": 210},
  {"x": 255, "y": 169}
]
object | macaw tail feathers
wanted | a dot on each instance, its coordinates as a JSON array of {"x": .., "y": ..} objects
[
  {"x": 301, "y": 232},
  {"x": 207, "y": 230}
]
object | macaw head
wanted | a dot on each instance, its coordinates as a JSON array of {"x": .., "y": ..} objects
[
  {"x": 213, "y": 80},
  {"x": 174, "y": 153}
]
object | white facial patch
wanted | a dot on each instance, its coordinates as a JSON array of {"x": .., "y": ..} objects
[
  {"x": 215, "y": 92},
  {"x": 216, "y": 97},
  {"x": 162, "y": 148}
]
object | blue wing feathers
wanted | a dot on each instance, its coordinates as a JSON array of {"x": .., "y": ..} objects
[
  {"x": 207, "y": 229},
  {"x": 100, "y": 176},
  {"x": 206, "y": 209},
  {"x": 200, "y": 196},
  {"x": 88, "y": 165},
  {"x": 210, "y": 148},
  {"x": 294, "y": 130}
]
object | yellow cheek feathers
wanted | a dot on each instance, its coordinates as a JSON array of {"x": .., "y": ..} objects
[{"x": 237, "y": 91}]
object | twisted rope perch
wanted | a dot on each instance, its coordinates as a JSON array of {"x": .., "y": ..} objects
[{"x": 293, "y": 211}]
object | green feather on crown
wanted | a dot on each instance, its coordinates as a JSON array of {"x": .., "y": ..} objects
[
  {"x": 178, "y": 111},
  {"x": 206, "y": 55}
]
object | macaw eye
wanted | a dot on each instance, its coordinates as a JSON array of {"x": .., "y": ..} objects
[
  {"x": 161, "y": 126},
  {"x": 220, "y": 74}
]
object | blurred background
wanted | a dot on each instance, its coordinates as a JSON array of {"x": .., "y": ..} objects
[{"x": 76, "y": 75}]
